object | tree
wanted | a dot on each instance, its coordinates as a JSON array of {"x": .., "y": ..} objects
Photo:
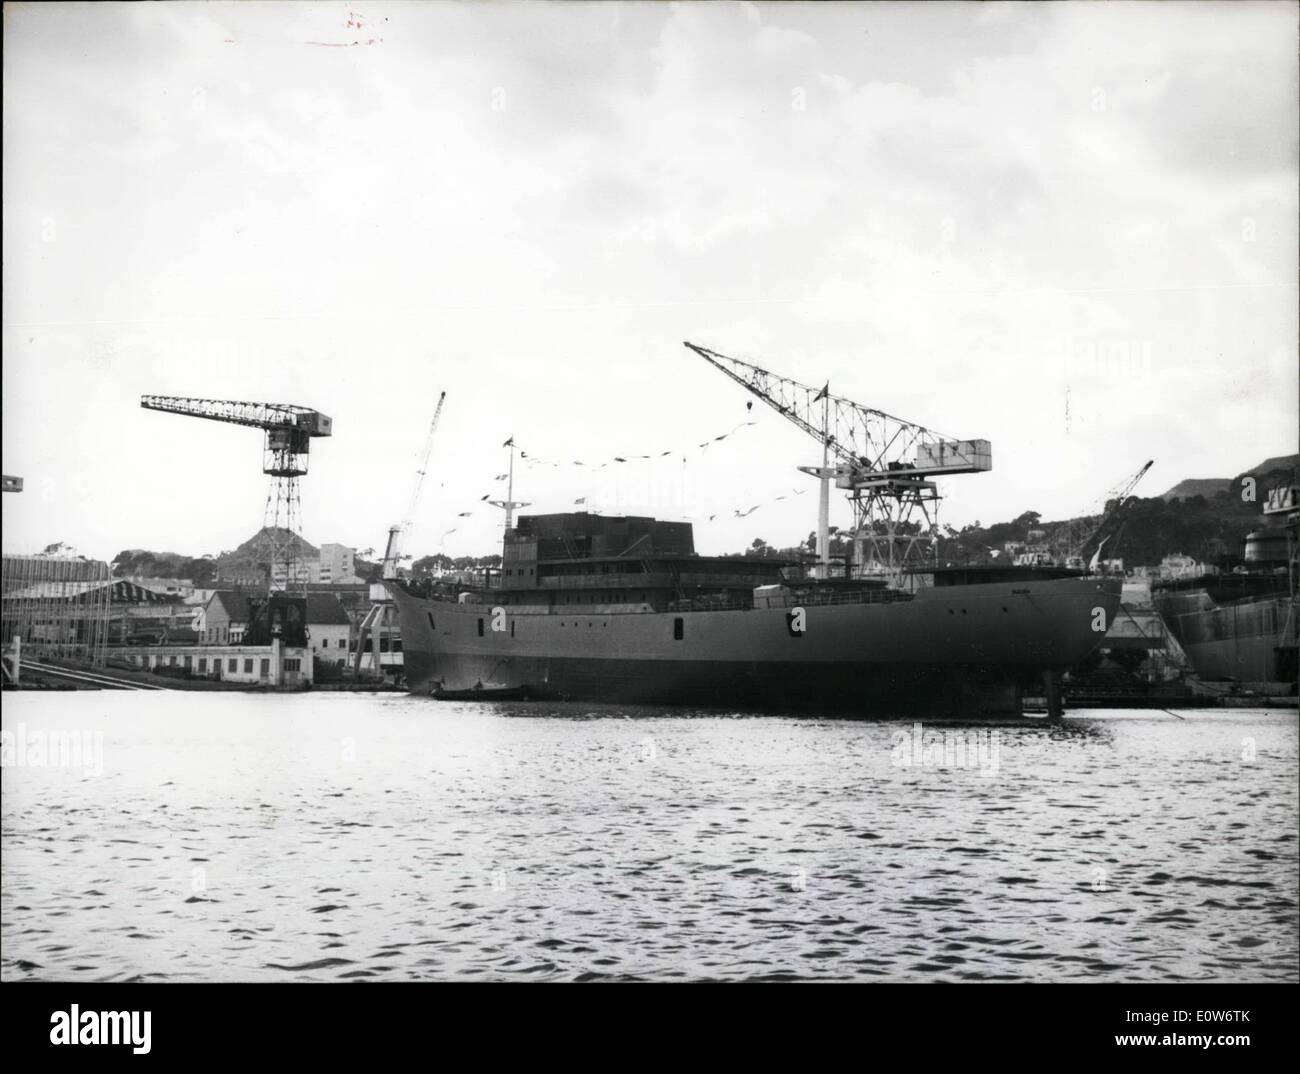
[
  {"x": 200, "y": 570},
  {"x": 426, "y": 565}
]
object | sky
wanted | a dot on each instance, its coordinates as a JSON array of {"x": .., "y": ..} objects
[{"x": 1068, "y": 228}]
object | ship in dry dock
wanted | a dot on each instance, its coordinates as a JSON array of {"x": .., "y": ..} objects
[
  {"x": 623, "y": 609},
  {"x": 1238, "y": 628}
]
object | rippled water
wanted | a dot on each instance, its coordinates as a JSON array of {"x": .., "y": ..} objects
[{"x": 342, "y": 837}]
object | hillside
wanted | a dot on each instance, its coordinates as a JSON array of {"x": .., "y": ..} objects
[
  {"x": 1196, "y": 486},
  {"x": 1210, "y": 487},
  {"x": 1210, "y": 525},
  {"x": 251, "y": 557}
]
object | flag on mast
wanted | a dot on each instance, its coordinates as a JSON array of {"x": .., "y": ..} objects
[
  {"x": 509, "y": 443},
  {"x": 823, "y": 393}
]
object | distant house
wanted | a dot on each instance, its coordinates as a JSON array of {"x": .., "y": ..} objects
[
  {"x": 1176, "y": 565},
  {"x": 329, "y": 627},
  {"x": 224, "y": 619}
]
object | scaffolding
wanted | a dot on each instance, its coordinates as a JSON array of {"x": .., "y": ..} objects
[{"x": 57, "y": 605}]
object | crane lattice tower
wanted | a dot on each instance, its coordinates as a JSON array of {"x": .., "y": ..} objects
[{"x": 289, "y": 431}]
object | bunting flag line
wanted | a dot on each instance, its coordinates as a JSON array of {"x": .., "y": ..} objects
[
  {"x": 590, "y": 467},
  {"x": 738, "y": 513},
  {"x": 537, "y": 460}
]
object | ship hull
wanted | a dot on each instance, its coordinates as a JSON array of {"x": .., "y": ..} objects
[
  {"x": 1251, "y": 642},
  {"x": 960, "y": 650}
]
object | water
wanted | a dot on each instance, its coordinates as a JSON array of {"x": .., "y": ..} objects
[{"x": 344, "y": 837}]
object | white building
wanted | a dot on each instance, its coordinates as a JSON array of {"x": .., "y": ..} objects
[
  {"x": 329, "y": 629},
  {"x": 337, "y": 565},
  {"x": 263, "y": 665}
]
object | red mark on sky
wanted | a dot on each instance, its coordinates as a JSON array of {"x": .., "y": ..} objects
[{"x": 353, "y": 23}]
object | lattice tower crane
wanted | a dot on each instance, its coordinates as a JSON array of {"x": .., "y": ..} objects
[{"x": 290, "y": 430}]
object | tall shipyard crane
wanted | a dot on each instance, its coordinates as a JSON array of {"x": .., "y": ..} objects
[
  {"x": 1073, "y": 541},
  {"x": 289, "y": 432},
  {"x": 398, "y": 531},
  {"x": 884, "y": 464},
  {"x": 1111, "y": 520},
  {"x": 380, "y": 621}
]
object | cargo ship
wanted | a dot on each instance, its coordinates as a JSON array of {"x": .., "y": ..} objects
[
  {"x": 1238, "y": 628},
  {"x": 623, "y": 610},
  {"x": 588, "y": 607}
]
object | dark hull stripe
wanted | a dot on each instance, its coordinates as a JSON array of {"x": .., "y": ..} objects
[
  {"x": 968, "y": 648},
  {"x": 841, "y": 687}
]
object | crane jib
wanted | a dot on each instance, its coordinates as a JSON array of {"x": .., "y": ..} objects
[{"x": 237, "y": 412}]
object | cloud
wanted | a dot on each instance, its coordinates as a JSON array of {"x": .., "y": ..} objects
[{"x": 950, "y": 210}]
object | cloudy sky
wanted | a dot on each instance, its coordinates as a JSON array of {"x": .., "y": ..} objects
[{"x": 1068, "y": 228}]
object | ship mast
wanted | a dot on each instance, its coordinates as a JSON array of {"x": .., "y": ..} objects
[
  {"x": 824, "y": 474},
  {"x": 510, "y": 503}
]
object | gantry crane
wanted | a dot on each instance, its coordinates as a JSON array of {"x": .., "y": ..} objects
[
  {"x": 884, "y": 464},
  {"x": 289, "y": 432},
  {"x": 380, "y": 621}
]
